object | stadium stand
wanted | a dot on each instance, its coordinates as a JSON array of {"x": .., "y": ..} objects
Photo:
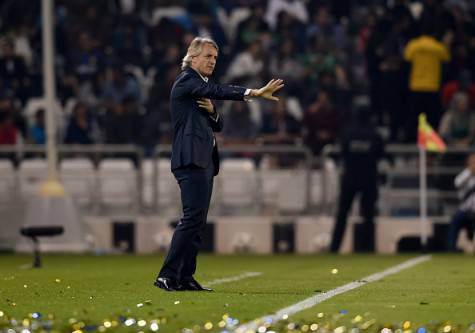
[{"x": 116, "y": 60}]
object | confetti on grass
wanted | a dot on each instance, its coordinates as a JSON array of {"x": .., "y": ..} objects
[{"x": 324, "y": 323}]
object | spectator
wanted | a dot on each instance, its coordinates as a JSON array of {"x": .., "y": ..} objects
[
  {"x": 314, "y": 42},
  {"x": 322, "y": 123},
  {"x": 81, "y": 127},
  {"x": 13, "y": 120},
  {"x": 252, "y": 28},
  {"x": 117, "y": 86},
  {"x": 324, "y": 70},
  {"x": 393, "y": 78},
  {"x": 13, "y": 71},
  {"x": 239, "y": 126},
  {"x": 279, "y": 125},
  {"x": 286, "y": 65},
  {"x": 458, "y": 123},
  {"x": 465, "y": 216},
  {"x": 11, "y": 127},
  {"x": 86, "y": 60},
  {"x": 426, "y": 56},
  {"x": 129, "y": 41},
  {"x": 205, "y": 22},
  {"x": 247, "y": 68},
  {"x": 122, "y": 123},
  {"x": 38, "y": 130},
  {"x": 158, "y": 127},
  {"x": 323, "y": 25},
  {"x": 289, "y": 28},
  {"x": 295, "y": 8},
  {"x": 435, "y": 13},
  {"x": 462, "y": 84},
  {"x": 8, "y": 130}
]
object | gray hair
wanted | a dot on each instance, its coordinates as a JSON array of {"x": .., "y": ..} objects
[{"x": 195, "y": 48}]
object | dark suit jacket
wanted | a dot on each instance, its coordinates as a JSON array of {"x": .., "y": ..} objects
[{"x": 193, "y": 127}]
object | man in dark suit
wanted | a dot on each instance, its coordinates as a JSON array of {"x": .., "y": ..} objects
[{"x": 195, "y": 159}]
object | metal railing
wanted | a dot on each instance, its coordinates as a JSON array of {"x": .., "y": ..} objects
[
  {"x": 395, "y": 153},
  {"x": 97, "y": 152},
  {"x": 389, "y": 170},
  {"x": 243, "y": 149}
]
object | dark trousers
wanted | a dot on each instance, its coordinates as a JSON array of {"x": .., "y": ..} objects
[
  {"x": 460, "y": 220},
  {"x": 349, "y": 189},
  {"x": 422, "y": 102},
  {"x": 196, "y": 186}
]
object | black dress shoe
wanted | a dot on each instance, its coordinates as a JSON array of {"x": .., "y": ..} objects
[
  {"x": 193, "y": 285},
  {"x": 167, "y": 284}
]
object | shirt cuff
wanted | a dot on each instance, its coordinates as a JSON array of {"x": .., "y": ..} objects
[{"x": 247, "y": 95}]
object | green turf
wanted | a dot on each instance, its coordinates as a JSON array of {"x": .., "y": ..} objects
[
  {"x": 96, "y": 288},
  {"x": 441, "y": 289}
]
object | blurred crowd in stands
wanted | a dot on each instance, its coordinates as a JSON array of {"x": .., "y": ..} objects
[{"x": 116, "y": 60}]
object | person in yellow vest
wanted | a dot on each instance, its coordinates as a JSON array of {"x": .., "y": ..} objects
[{"x": 426, "y": 55}]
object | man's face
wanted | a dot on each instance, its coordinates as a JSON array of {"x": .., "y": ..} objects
[{"x": 204, "y": 62}]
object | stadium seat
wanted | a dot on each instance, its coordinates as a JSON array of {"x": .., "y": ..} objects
[
  {"x": 292, "y": 192},
  {"x": 316, "y": 191},
  {"x": 118, "y": 185},
  {"x": 270, "y": 180},
  {"x": 237, "y": 185},
  {"x": 78, "y": 176},
  {"x": 7, "y": 181},
  {"x": 167, "y": 187},
  {"x": 31, "y": 174}
]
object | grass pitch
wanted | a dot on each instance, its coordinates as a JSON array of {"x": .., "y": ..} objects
[{"x": 96, "y": 289}]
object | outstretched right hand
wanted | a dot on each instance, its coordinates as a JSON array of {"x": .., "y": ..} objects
[{"x": 268, "y": 90}]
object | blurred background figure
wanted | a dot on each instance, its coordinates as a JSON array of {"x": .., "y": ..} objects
[
  {"x": 457, "y": 126},
  {"x": 38, "y": 130},
  {"x": 348, "y": 49},
  {"x": 322, "y": 123},
  {"x": 463, "y": 84},
  {"x": 362, "y": 147},
  {"x": 239, "y": 126},
  {"x": 82, "y": 127},
  {"x": 426, "y": 55},
  {"x": 464, "y": 218},
  {"x": 280, "y": 125}
]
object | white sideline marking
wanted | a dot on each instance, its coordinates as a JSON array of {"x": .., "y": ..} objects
[
  {"x": 233, "y": 278},
  {"x": 314, "y": 300}
]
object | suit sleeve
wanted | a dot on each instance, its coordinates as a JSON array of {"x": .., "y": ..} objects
[
  {"x": 197, "y": 88},
  {"x": 216, "y": 121}
]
